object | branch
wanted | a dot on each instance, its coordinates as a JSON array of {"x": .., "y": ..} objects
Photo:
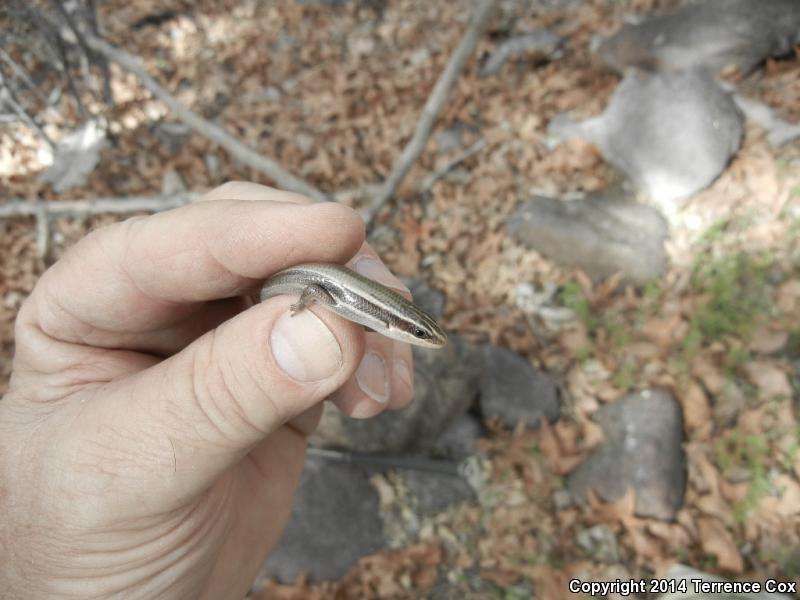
[
  {"x": 217, "y": 134},
  {"x": 22, "y": 76},
  {"x": 13, "y": 103},
  {"x": 431, "y": 110},
  {"x": 384, "y": 461},
  {"x": 428, "y": 182},
  {"x": 96, "y": 206}
]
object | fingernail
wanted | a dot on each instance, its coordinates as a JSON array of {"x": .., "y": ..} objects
[
  {"x": 304, "y": 347},
  {"x": 375, "y": 269},
  {"x": 371, "y": 377},
  {"x": 403, "y": 373}
]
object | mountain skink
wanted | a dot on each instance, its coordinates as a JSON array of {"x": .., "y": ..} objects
[{"x": 358, "y": 299}]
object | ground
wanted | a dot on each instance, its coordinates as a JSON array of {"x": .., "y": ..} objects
[{"x": 332, "y": 91}]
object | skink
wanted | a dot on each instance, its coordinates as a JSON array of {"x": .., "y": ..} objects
[{"x": 358, "y": 299}]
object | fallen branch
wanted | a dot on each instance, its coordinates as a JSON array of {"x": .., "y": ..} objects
[
  {"x": 237, "y": 149},
  {"x": 428, "y": 182},
  {"x": 431, "y": 110},
  {"x": 8, "y": 97},
  {"x": 96, "y": 206}
]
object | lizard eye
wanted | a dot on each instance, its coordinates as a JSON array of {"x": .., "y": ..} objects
[{"x": 419, "y": 333}]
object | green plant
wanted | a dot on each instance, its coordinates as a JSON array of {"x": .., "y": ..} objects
[
  {"x": 734, "y": 295},
  {"x": 748, "y": 452},
  {"x": 584, "y": 354},
  {"x": 625, "y": 376},
  {"x": 573, "y": 298},
  {"x": 735, "y": 358}
]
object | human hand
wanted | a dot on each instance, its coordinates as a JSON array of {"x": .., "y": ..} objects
[{"x": 155, "y": 426}]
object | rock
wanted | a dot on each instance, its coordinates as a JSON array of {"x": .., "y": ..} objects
[
  {"x": 709, "y": 34},
  {"x": 335, "y": 522},
  {"x": 538, "y": 45},
  {"x": 445, "y": 385},
  {"x": 76, "y": 156},
  {"x": 562, "y": 499},
  {"x": 427, "y": 298},
  {"x": 672, "y": 134},
  {"x": 513, "y": 391},
  {"x": 599, "y": 543},
  {"x": 600, "y": 235},
  {"x": 458, "y": 439},
  {"x": 434, "y": 492},
  {"x": 642, "y": 450},
  {"x": 779, "y": 132}
]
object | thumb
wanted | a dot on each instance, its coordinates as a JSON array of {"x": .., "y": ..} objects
[{"x": 189, "y": 418}]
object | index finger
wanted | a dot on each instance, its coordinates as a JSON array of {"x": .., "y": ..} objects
[{"x": 132, "y": 279}]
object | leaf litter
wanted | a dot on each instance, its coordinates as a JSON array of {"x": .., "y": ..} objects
[{"x": 332, "y": 93}]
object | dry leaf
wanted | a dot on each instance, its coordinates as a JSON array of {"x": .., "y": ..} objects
[
  {"x": 574, "y": 339},
  {"x": 750, "y": 421},
  {"x": 771, "y": 381},
  {"x": 789, "y": 490},
  {"x": 622, "y": 509},
  {"x": 767, "y": 341},
  {"x": 661, "y": 331},
  {"x": 500, "y": 577},
  {"x": 696, "y": 408},
  {"x": 788, "y": 296},
  {"x": 717, "y": 541},
  {"x": 707, "y": 372}
]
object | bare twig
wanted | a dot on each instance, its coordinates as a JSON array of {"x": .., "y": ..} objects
[
  {"x": 96, "y": 206},
  {"x": 428, "y": 182},
  {"x": 87, "y": 54},
  {"x": 61, "y": 52},
  {"x": 42, "y": 232},
  {"x": 102, "y": 61},
  {"x": 20, "y": 73},
  {"x": 8, "y": 97},
  {"x": 383, "y": 461},
  {"x": 130, "y": 204},
  {"x": 431, "y": 109},
  {"x": 213, "y": 132}
]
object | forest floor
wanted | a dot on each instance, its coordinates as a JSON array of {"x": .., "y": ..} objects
[{"x": 332, "y": 91}]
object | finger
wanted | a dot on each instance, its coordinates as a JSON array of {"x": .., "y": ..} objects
[
  {"x": 137, "y": 284},
  {"x": 382, "y": 381},
  {"x": 245, "y": 190},
  {"x": 174, "y": 428}
]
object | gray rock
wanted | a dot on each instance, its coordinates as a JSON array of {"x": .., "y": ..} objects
[
  {"x": 427, "y": 298},
  {"x": 335, "y": 522},
  {"x": 779, "y": 132},
  {"x": 434, "y": 492},
  {"x": 599, "y": 543},
  {"x": 76, "y": 156},
  {"x": 642, "y": 450},
  {"x": 562, "y": 499},
  {"x": 672, "y": 134},
  {"x": 708, "y": 34},
  {"x": 678, "y": 573},
  {"x": 540, "y": 45},
  {"x": 445, "y": 385},
  {"x": 513, "y": 391},
  {"x": 458, "y": 439},
  {"x": 600, "y": 235}
]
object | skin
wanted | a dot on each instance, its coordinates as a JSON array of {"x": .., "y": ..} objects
[{"x": 155, "y": 426}]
